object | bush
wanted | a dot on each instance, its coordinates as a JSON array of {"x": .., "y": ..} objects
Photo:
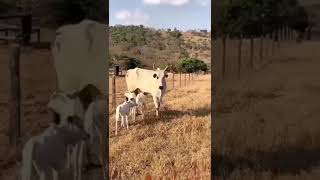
[
  {"x": 190, "y": 65},
  {"x": 126, "y": 62}
]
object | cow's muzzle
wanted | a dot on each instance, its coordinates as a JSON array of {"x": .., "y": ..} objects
[{"x": 161, "y": 87}]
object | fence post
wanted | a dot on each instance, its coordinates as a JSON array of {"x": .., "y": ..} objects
[
  {"x": 172, "y": 80},
  {"x": 114, "y": 91},
  {"x": 15, "y": 95},
  {"x": 185, "y": 78},
  {"x": 26, "y": 22},
  {"x": 180, "y": 79},
  {"x": 189, "y": 78}
]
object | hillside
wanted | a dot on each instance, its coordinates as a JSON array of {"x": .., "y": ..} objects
[{"x": 159, "y": 46}]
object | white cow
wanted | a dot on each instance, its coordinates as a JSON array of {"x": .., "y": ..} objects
[
  {"x": 148, "y": 81},
  {"x": 80, "y": 53},
  {"x": 45, "y": 154}
]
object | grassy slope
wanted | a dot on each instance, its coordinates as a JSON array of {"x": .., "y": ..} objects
[
  {"x": 175, "y": 145},
  {"x": 166, "y": 56}
]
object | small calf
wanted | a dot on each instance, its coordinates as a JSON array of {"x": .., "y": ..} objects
[
  {"x": 123, "y": 111},
  {"x": 140, "y": 101}
]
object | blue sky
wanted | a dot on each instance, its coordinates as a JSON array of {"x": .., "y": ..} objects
[{"x": 182, "y": 14}]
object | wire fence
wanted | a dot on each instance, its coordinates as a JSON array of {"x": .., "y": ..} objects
[{"x": 117, "y": 85}]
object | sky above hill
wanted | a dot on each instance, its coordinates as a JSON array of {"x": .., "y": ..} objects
[{"x": 180, "y": 14}]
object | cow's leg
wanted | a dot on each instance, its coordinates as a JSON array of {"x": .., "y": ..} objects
[
  {"x": 74, "y": 161},
  {"x": 141, "y": 109},
  {"x": 155, "y": 100},
  {"x": 134, "y": 113},
  {"x": 122, "y": 121},
  {"x": 116, "y": 126},
  {"x": 55, "y": 174},
  {"x": 80, "y": 156},
  {"x": 68, "y": 157},
  {"x": 127, "y": 122},
  {"x": 42, "y": 175}
]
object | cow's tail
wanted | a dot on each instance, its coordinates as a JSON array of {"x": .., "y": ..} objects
[{"x": 27, "y": 165}]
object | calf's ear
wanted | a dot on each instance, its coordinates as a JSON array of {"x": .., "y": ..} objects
[{"x": 154, "y": 75}]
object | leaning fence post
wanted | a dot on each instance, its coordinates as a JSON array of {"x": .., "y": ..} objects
[
  {"x": 185, "y": 79},
  {"x": 114, "y": 91},
  {"x": 15, "y": 95}
]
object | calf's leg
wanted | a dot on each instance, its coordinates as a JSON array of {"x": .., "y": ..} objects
[{"x": 156, "y": 103}]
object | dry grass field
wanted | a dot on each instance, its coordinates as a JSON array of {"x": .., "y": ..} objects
[
  {"x": 267, "y": 124},
  {"x": 176, "y": 145}
]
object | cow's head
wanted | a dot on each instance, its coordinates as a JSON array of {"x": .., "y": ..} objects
[{"x": 159, "y": 76}]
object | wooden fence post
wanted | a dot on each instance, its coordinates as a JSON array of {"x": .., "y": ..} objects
[
  {"x": 26, "y": 22},
  {"x": 251, "y": 52},
  {"x": 189, "y": 78},
  {"x": 224, "y": 39},
  {"x": 15, "y": 95},
  {"x": 180, "y": 79},
  {"x": 185, "y": 78},
  {"x": 114, "y": 91},
  {"x": 172, "y": 80}
]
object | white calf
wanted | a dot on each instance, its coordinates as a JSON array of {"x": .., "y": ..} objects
[
  {"x": 46, "y": 153},
  {"x": 123, "y": 111},
  {"x": 140, "y": 100}
]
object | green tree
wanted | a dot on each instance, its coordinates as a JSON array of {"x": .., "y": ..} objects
[
  {"x": 126, "y": 62},
  {"x": 190, "y": 65}
]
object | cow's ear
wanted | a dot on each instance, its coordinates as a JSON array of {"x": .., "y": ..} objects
[{"x": 154, "y": 75}]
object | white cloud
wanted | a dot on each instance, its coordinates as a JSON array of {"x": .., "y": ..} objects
[
  {"x": 166, "y": 2},
  {"x": 135, "y": 17},
  {"x": 203, "y": 3}
]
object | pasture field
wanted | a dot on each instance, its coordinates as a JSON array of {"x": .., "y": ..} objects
[
  {"x": 176, "y": 145},
  {"x": 266, "y": 125}
]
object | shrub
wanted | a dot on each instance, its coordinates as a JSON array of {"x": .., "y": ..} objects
[{"x": 189, "y": 65}]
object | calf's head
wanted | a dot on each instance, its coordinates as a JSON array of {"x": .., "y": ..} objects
[
  {"x": 130, "y": 96},
  {"x": 68, "y": 123}
]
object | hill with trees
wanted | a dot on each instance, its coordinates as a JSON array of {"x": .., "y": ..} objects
[{"x": 159, "y": 46}]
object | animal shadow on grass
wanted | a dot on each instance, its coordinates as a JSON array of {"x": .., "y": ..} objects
[
  {"x": 285, "y": 161},
  {"x": 165, "y": 116},
  {"x": 170, "y": 114}
]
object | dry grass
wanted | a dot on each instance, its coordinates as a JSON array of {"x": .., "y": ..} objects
[
  {"x": 266, "y": 125},
  {"x": 177, "y": 145}
]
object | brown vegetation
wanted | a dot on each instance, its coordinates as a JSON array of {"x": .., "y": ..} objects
[{"x": 266, "y": 125}]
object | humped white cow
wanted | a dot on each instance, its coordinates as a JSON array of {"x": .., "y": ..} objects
[
  {"x": 148, "y": 81},
  {"x": 80, "y": 60}
]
